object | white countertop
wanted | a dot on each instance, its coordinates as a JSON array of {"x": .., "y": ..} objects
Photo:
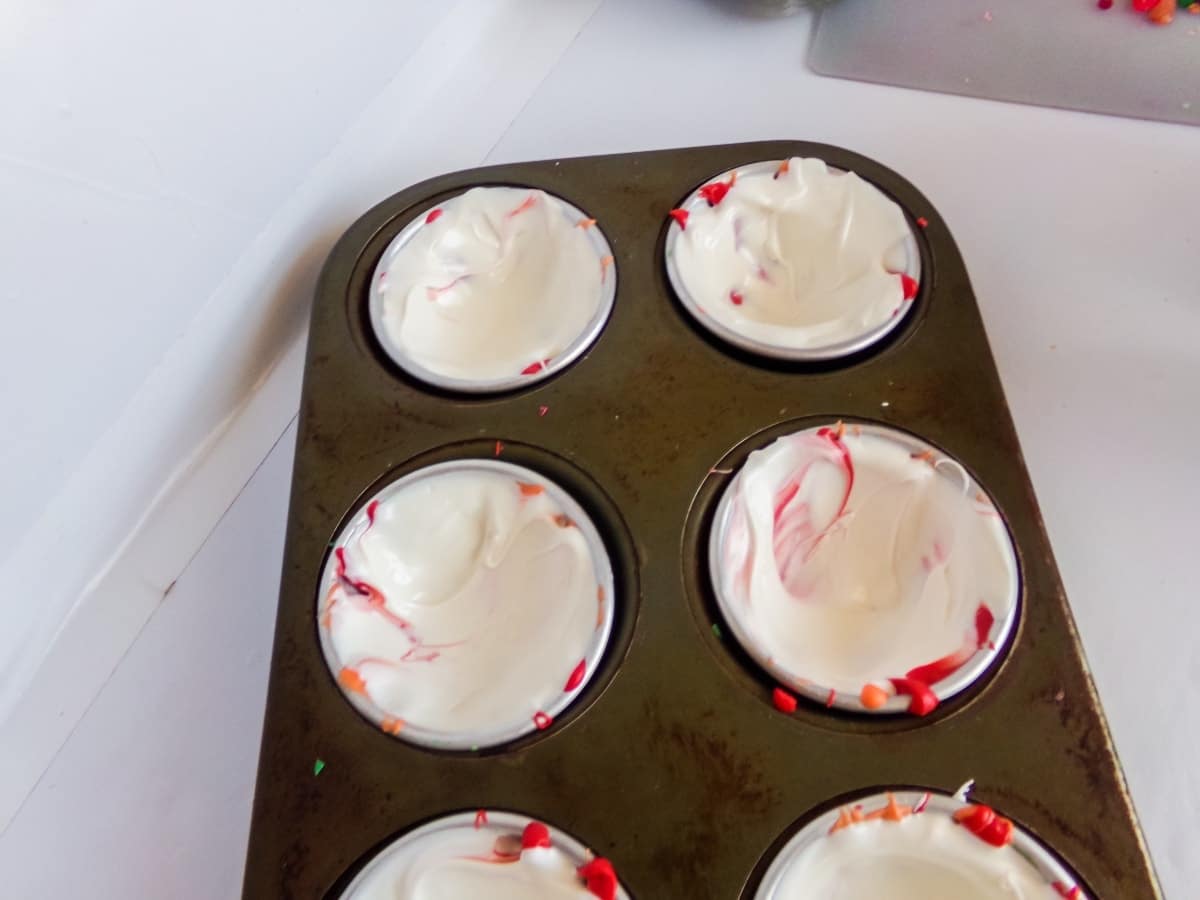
[{"x": 1081, "y": 234}]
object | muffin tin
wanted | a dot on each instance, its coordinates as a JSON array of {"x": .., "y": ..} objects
[{"x": 672, "y": 762}]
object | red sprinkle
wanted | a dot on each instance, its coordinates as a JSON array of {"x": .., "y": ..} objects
[
  {"x": 715, "y": 191},
  {"x": 784, "y": 702},
  {"x": 999, "y": 833},
  {"x": 535, "y": 835},
  {"x": 371, "y": 508},
  {"x": 542, "y": 721},
  {"x": 532, "y": 369},
  {"x": 909, "y": 285},
  {"x": 680, "y": 216},
  {"x": 983, "y": 624},
  {"x": 1144, "y": 5},
  {"x": 576, "y": 678},
  {"x": 480, "y": 819},
  {"x": 434, "y": 215},
  {"x": 975, "y": 817},
  {"x": 922, "y": 222},
  {"x": 499, "y": 447},
  {"x": 735, "y": 298},
  {"x": 830, "y": 699},
  {"x": 1072, "y": 892},
  {"x": 923, "y": 702},
  {"x": 599, "y": 878},
  {"x": 1103, "y": 4},
  {"x": 542, "y": 410}
]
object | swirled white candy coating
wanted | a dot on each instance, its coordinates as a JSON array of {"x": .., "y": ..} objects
[
  {"x": 500, "y": 281},
  {"x": 850, "y": 560},
  {"x": 804, "y": 258},
  {"x": 460, "y": 863},
  {"x": 468, "y": 604},
  {"x": 922, "y": 857}
]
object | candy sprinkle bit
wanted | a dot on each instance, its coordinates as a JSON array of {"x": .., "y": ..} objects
[
  {"x": 873, "y": 696},
  {"x": 715, "y": 191},
  {"x": 576, "y": 678},
  {"x": 908, "y": 285},
  {"x": 1069, "y": 891},
  {"x": 434, "y": 215},
  {"x": 318, "y": 767},
  {"x": 351, "y": 681},
  {"x": 499, "y": 447},
  {"x": 605, "y": 263},
  {"x": 542, "y": 721},
  {"x": 542, "y": 410},
  {"x": 831, "y": 699},
  {"x": 392, "y": 726},
  {"x": 535, "y": 835},
  {"x": 922, "y": 222},
  {"x": 680, "y": 216},
  {"x": 563, "y": 521},
  {"x": 585, "y": 224},
  {"x": 923, "y": 702},
  {"x": 736, "y": 299},
  {"x": 783, "y": 168},
  {"x": 481, "y": 819},
  {"x": 599, "y": 878},
  {"x": 784, "y": 702},
  {"x": 529, "y": 490},
  {"x": 716, "y": 630},
  {"x": 526, "y": 204}
]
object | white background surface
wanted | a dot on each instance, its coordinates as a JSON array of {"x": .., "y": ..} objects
[{"x": 169, "y": 183}]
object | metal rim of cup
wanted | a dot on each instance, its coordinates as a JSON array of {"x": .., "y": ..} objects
[
  {"x": 821, "y": 353},
  {"x": 1028, "y": 846},
  {"x": 948, "y": 687},
  {"x": 585, "y": 339},
  {"x": 413, "y": 733},
  {"x": 496, "y": 821}
]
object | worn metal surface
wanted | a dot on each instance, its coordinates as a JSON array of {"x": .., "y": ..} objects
[{"x": 673, "y": 763}]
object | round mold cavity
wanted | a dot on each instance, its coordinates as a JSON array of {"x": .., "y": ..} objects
[
  {"x": 532, "y": 371},
  {"x": 466, "y": 838},
  {"x": 341, "y": 583},
  {"x": 928, "y": 682},
  {"x": 998, "y": 847},
  {"x": 852, "y": 345}
]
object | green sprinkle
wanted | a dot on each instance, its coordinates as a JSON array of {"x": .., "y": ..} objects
[
  {"x": 318, "y": 767},
  {"x": 717, "y": 630},
  {"x": 474, "y": 748}
]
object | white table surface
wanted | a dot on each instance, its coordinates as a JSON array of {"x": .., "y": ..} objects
[{"x": 1082, "y": 236}]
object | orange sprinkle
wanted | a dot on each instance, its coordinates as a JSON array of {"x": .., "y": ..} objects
[
  {"x": 783, "y": 168},
  {"x": 605, "y": 262},
  {"x": 843, "y": 820},
  {"x": 563, "y": 521},
  {"x": 856, "y": 815},
  {"x": 963, "y": 813},
  {"x": 599, "y": 605},
  {"x": 327, "y": 618},
  {"x": 926, "y": 455},
  {"x": 529, "y": 490},
  {"x": 585, "y": 224},
  {"x": 527, "y": 203},
  {"x": 873, "y": 696},
  {"x": 840, "y": 431},
  {"x": 349, "y": 679}
]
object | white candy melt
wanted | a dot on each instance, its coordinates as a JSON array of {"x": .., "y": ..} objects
[
  {"x": 849, "y": 559},
  {"x": 495, "y": 282},
  {"x": 471, "y": 609},
  {"x": 803, "y": 259}
]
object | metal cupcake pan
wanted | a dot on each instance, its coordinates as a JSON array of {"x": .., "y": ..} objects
[
  {"x": 674, "y": 764},
  {"x": 520, "y": 724}
]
